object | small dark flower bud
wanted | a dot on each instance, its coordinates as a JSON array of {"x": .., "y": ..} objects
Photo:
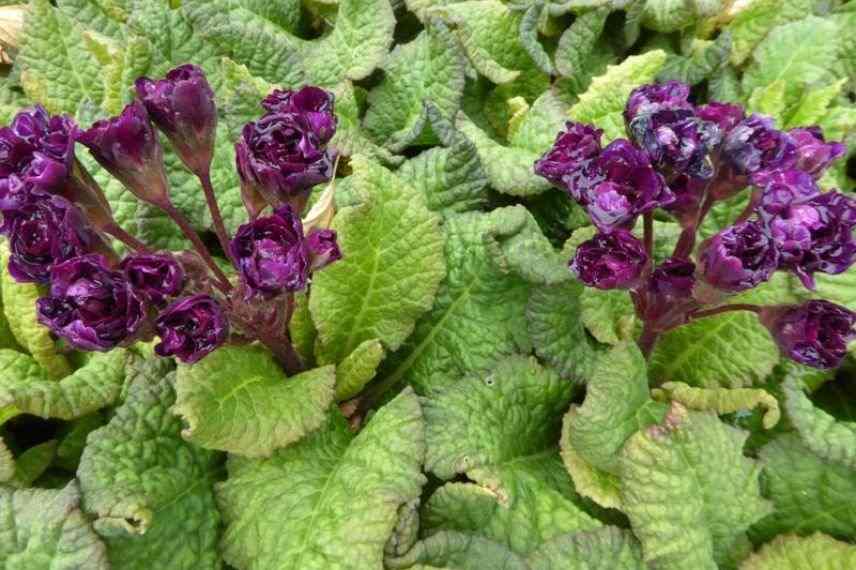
[
  {"x": 315, "y": 104},
  {"x": 154, "y": 277},
  {"x": 191, "y": 328},
  {"x": 610, "y": 261},
  {"x": 323, "y": 248},
  {"x": 815, "y": 333}
]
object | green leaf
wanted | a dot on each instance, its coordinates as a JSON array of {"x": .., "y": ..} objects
[
  {"x": 606, "y": 548},
  {"x": 671, "y": 15},
  {"x": 104, "y": 16},
  {"x": 303, "y": 507},
  {"x": 429, "y": 68},
  {"x": 617, "y": 405},
  {"x": 815, "y": 552},
  {"x": 689, "y": 492},
  {"x": 769, "y": 99},
  {"x": 19, "y": 307},
  {"x": 579, "y": 41},
  {"x": 604, "y": 100},
  {"x": 450, "y": 550},
  {"x": 809, "y": 494},
  {"x": 600, "y": 486},
  {"x": 476, "y": 318},
  {"x": 7, "y": 463},
  {"x": 238, "y": 400},
  {"x": 814, "y": 104},
  {"x": 608, "y": 315},
  {"x": 45, "y": 530},
  {"x": 96, "y": 385},
  {"x": 151, "y": 491},
  {"x": 509, "y": 168},
  {"x": 358, "y": 368},
  {"x": 721, "y": 400},
  {"x": 704, "y": 59},
  {"x": 558, "y": 334},
  {"x": 800, "y": 53},
  {"x": 452, "y": 177},
  {"x": 32, "y": 463},
  {"x": 391, "y": 267},
  {"x": 731, "y": 351},
  {"x": 529, "y": 37},
  {"x": 752, "y": 24},
  {"x": 827, "y": 437},
  {"x": 74, "y": 434},
  {"x": 56, "y": 68}
]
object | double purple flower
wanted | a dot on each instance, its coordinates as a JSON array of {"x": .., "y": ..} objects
[{"x": 815, "y": 333}]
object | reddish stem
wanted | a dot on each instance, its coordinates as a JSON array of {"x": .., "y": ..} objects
[
  {"x": 725, "y": 309},
  {"x": 216, "y": 215},
  {"x": 647, "y": 340},
  {"x": 222, "y": 282},
  {"x": 648, "y": 229},
  {"x": 133, "y": 243}
]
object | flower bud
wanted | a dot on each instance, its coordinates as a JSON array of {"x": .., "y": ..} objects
[
  {"x": 154, "y": 277},
  {"x": 191, "y": 328},
  {"x": 815, "y": 333},
  {"x": 814, "y": 154},
  {"x": 574, "y": 148},
  {"x": 313, "y": 103},
  {"x": 653, "y": 97},
  {"x": 127, "y": 147},
  {"x": 271, "y": 254},
  {"x": 754, "y": 145},
  {"x": 723, "y": 115},
  {"x": 738, "y": 258},
  {"x": 323, "y": 248},
  {"x": 610, "y": 261},
  {"x": 182, "y": 106},
  {"x": 90, "y": 306}
]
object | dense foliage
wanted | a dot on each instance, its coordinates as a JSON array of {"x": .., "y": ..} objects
[{"x": 428, "y": 284}]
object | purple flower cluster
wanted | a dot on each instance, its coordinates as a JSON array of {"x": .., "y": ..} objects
[
  {"x": 683, "y": 158},
  {"x": 58, "y": 223}
]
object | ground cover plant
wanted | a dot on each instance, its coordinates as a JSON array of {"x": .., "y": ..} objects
[{"x": 363, "y": 284}]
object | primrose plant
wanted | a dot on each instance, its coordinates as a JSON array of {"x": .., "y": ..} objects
[
  {"x": 59, "y": 225},
  {"x": 683, "y": 158}
]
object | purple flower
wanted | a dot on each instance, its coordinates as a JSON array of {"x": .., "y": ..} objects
[
  {"x": 314, "y": 104},
  {"x": 191, "y": 328},
  {"x": 678, "y": 140},
  {"x": 723, "y": 115},
  {"x": 815, "y": 333},
  {"x": 814, "y": 154},
  {"x": 610, "y": 261},
  {"x": 623, "y": 185},
  {"x": 754, "y": 145},
  {"x": 42, "y": 232},
  {"x": 271, "y": 253},
  {"x": 739, "y": 257},
  {"x": 90, "y": 306},
  {"x": 37, "y": 147},
  {"x": 154, "y": 277},
  {"x": 816, "y": 236},
  {"x": 281, "y": 155},
  {"x": 127, "y": 146},
  {"x": 782, "y": 188},
  {"x": 574, "y": 148},
  {"x": 182, "y": 106},
  {"x": 649, "y": 98},
  {"x": 323, "y": 248}
]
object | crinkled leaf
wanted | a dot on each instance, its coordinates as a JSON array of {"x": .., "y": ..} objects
[
  {"x": 45, "y": 530},
  {"x": 238, "y": 400},
  {"x": 529, "y": 38},
  {"x": 752, "y": 24},
  {"x": 608, "y": 548},
  {"x": 449, "y": 550},
  {"x": 604, "y": 100},
  {"x": 517, "y": 244},
  {"x": 392, "y": 264},
  {"x": 358, "y": 368},
  {"x": 73, "y": 438},
  {"x": 151, "y": 491},
  {"x": 672, "y": 15},
  {"x": 600, "y": 486},
  {"x": 732, "y": 351},
  {"x": 32, "y": 463},
  {"x": 689, "y": 492},
  {"x": 579, "y": 40},
  {"x": 476, "y": 318},
  {"x": 104, "y": 16},
  {"x": 97, "y": 384},
  {"x": 704, "y": 59},
  {"x": 19, "y": 307},
  {"x": 809, "y": 493},
  {"x": 722, "y": 400},
  {"x": 429, "y": 68},
  {"x": 814, "y": 104},
  {"x": 791, "y": 552},
  {"x": 608, "y": 315},
  {"x": 329, "y": 502}
]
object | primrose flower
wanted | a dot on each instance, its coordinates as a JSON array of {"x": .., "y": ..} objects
[
  {"x": 755, "y": 146},
  {"x": 154, "y": 277},
  {"x": 574, "y": 148},
  {"x": 654, "y": 97},
  {"x": 815, "y": 333},
  {"x": 610, "y": 261},
  {"x": 191, "y": 328},
  {"x": 814, "y": 154},
  {"x": 739, "y": 257}
]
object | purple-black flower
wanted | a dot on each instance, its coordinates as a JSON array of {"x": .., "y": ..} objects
[
  {"x": 271, "y": 253},
  {"x": 677, "y": 140},
  {"x": 573, "y": 149},
  {"x": 622, "y": 186},
  {"x": 815, "y": 333},
  {"x": 754, "y": 145},
  {"x": 316, "y": 105},
  {"x": 739, "y": 257},
  {"x": 38, "y": 147},
  {"x": 182, "y": 106},
  {"x": 610, "y": 261},
  {"x": 323, "y": 248},
  {"x": 191, "y": 328},
  {"x": 816, "y": 236},
  {"x": 723, "y": 115},
  {"x": 814, "y": 154},
  {"x": 43, "y": 231},
  {"x": 127, "y": 147},
  {"x": 781, "y": 188},
  {"x": 281, "y": 155},
  {"x": 653, "y": 97},
  {"x": 155, "y": 277},
  {"x": 90, "y": 306}
]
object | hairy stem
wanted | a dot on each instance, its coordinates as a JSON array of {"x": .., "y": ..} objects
[
  {"x": 133, "y": 243},
  {"x": 222, "y": 282},
  {"x": 216, "y": 215},
  {"x": 686, "y": 242}
]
